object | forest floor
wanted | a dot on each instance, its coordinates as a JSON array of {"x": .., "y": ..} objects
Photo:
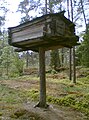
[{"x": 18, "y": 97}]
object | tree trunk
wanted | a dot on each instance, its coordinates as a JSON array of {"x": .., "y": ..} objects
[
  {"x": 83, "y": 12},
  {"x": 45, "y": 6},
  {"x": 62, "y": 57},
  {"x": 68, "y": 9},
  {"x": 70, "y": 59},
  {"x": 74, "y": 66},
  {"x": 27, "y": 59},
  {"x": 55, "y": 60}
]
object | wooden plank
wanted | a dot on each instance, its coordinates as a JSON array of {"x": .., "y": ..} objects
[
  {"x": 48, "y": 43},
  {"x": 60, "y": 27},
  {"x": 30, "y": 30},
  {"x": 31, "y": 33}
]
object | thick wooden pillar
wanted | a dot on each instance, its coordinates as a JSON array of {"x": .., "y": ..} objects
[
  {"x": 42, "y": 100},
  {"x": 74, "y": 66},
  {"x": 70, "y": 65}
]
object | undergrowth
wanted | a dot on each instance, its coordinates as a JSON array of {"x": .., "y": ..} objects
[
  {"x": 77, "y": 101},
  {"x": 76, "y": 95}
]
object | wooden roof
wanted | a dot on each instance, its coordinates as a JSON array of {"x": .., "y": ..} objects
[{"x": 43, "y": 18}]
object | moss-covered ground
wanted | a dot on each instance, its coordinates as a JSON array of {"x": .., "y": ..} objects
[{"x": 14, "y": 92}]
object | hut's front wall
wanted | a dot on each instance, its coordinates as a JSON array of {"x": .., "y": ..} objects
[
  {"x": 31, "y": 32},
  {"x": 35, "y": 30}
]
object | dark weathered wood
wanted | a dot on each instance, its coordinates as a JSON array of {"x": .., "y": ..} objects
[
  {"x": 60, "y": 25},
  {"x": 48, "y": 42},
  {"x": 74, "y": 66},
  {"x": 70, "y": 64},
  {"x": 29, "y": 33},
  {"x": 42, "y": 30},
  {"x": 42, "y": 101}
]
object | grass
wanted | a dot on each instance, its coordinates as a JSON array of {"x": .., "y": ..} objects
[
  {"x": 9, "y": 95},
  {"x": 59, "y": 91}
]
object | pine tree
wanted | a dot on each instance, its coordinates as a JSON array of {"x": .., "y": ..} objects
[
  {"x": 3, "y": 11},
  {"x": 85, "y": 53},
  {"x": 82, "y": 51},
  {"x": 25, "y": 7},
  {"x": 55, "y": 60}
]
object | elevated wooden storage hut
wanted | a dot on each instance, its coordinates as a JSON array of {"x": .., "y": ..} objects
[
  {"x": 48, "y": 31},
  {"x": 40, "y": 34}
]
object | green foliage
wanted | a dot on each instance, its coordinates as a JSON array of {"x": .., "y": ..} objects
[
  {"x": 18, "y": 64},
  {"x": 79, "y": 102},
  {"x": 11, "y": 64},
  {"x": 85, "y": 56},
  {"x": 55, "y": 61},
  {"x": 79, "y": 55},
  {"x": 9, "y": 95},
  {"x": 1, "y": 113},
  {"x": 6, "y": 59},
  {"x": 82, "y": 104},
  {"x": 66, "y": 101},
  {"x": 83, "y": 51},
  {"x": 6, "y": 56},
  {"x": 32, "y": 94}
]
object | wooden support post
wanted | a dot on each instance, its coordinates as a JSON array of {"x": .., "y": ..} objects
[
  {"x": 42, "y": 100},
  {"x": 74, "y": 66},
  {"x": 70, "y": 65}
]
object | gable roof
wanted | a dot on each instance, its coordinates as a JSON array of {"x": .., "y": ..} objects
[{"x": 43, "y": 17}]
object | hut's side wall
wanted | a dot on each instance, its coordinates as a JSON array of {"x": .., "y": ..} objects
[{"x": 63, "y": 28}]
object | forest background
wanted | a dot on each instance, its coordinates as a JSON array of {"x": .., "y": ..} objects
[{"x": 13, "y": 64}]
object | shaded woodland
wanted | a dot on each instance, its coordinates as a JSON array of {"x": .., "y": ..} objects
[{"x": 13, "y": 63}]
